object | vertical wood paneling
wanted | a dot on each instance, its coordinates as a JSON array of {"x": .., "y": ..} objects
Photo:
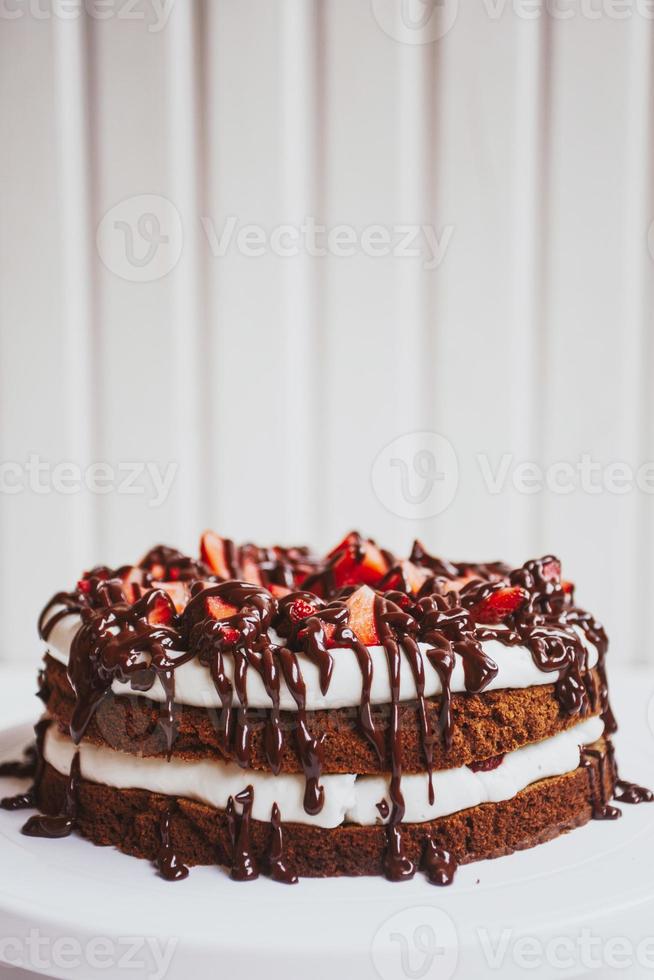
[
  {"x": 247, "y": 292},
  {"x": 185, "y": 100},
  {"x": 273, "y": 381},
  {"x": 637, "y": 363},
  {"x": 297, "y": 361},
  {"x": 73, "y": 91},
  {"x": 588, "y": 336},
  {"x": 530, "y": 180},
  {"x": 35, "y": 529},
  {"x": 482, "y": 371},
  {"x": 365, "y": 395},
  {"x": 141, "y": 381},
  {"x": 417, "y": 162}
]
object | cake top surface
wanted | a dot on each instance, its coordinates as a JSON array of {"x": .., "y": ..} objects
[{"x": 264, "y": 606}]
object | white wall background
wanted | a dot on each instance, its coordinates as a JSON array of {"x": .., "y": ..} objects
[{"x": 273, "y": 382}]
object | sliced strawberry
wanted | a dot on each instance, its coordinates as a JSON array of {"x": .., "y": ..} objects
[
  {"x": 299, "y": 610},
  {"x": 279, "y": 591},
  {"x": 132, "y": 578},
  {"x": 499, "y": 604},
  {"x": 361, "y": 605},
  {"x": 351, "y": 539},
  {"x": 218, "y": 609},
  {"x": 568, "y": 587},
  {"x": 250, "y": 572},
  {"x": 215, "y": 552},
  {"x": 406, "y": 576},
  {"x": 161, "y": 613},
  {"x": 177, "y": 591},
  {"x": 230, "y": 635},
  {"x": 551, "y": 570},
  {"x": 360, "y": 562},
  {"x": 84, "y": 585},
  {"x": 157, "y": 571}
]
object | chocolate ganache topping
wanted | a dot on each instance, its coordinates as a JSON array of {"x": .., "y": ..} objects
[{"x": 269, "y": 609}]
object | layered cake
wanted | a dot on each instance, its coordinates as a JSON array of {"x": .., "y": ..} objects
[{"x": 285, "y": 714}]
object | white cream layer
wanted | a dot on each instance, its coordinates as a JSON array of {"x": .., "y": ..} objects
[
  {"x": 193, "y": 684},
  {"x": 348, "y": 798}
]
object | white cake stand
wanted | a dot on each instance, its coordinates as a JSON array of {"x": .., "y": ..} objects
[{"x": 581, "y": 904}]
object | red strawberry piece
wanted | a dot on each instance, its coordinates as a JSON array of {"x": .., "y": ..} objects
[
  {"x": 157, "y": 571},
  {"x": 413, "y": 576},
  {"x": 360, "y": 562},
  {"x": 218, "y": 609},
  {"x": 162, "y": 612},
  {"x": 132, "y": 578},
  {"x": 361, "y": 605},
  {"x": 214, "y": 550},
  {"x": 230, "y": 635},
  {"x": 299, "y": 610},
  {"x": 279, "y": 591},
  {"x": 499, "y": 604},
  {"x": 350, "y": 540},
  {"x": 250, "y": 572},
  {"x": 84, "y": 585},
  {"x": 568, "y": 587},
  {"x": 177, "y": 592},
  {"x": 486, "y": 765},
  {"x": 406, "y": 575},
  {"x": 551, "y": 570}
]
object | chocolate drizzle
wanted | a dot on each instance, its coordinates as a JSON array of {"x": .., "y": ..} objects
[
  {"x": 22, "y": 768},
  {"x": 61, "y": 825},
  {"x": 593, "y": 760},
  {"x": 31, "y": 765},
  {"x": 169, "y": 865},
  {"x": 244, "y": 864},
  {"x": 279, "y": 871},
  {"x": 397, "y": 865},
  {"x": 241, "y": 609},
  {"x": 438, "y": 864}
]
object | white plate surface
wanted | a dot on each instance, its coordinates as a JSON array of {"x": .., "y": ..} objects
[{"x": 582, "y": 904}]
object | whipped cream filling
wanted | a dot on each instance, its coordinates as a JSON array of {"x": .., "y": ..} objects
[
  {"x": 194, "y": 686},
  {"x": 348, "y": 798}
]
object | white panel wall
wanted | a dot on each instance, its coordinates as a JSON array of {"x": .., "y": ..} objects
[{"x": 270, "y": 382}]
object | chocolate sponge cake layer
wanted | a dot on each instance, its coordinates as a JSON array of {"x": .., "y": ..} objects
[
  {"x": 130, "y": 820},
  {"x": 484, "y": 725}
]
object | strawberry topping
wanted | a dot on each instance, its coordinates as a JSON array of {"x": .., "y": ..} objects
[
  {"x": 499, "y": 604},
  {"x": 300, "y": 609},
  {"x": 361, "y": 606}
]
